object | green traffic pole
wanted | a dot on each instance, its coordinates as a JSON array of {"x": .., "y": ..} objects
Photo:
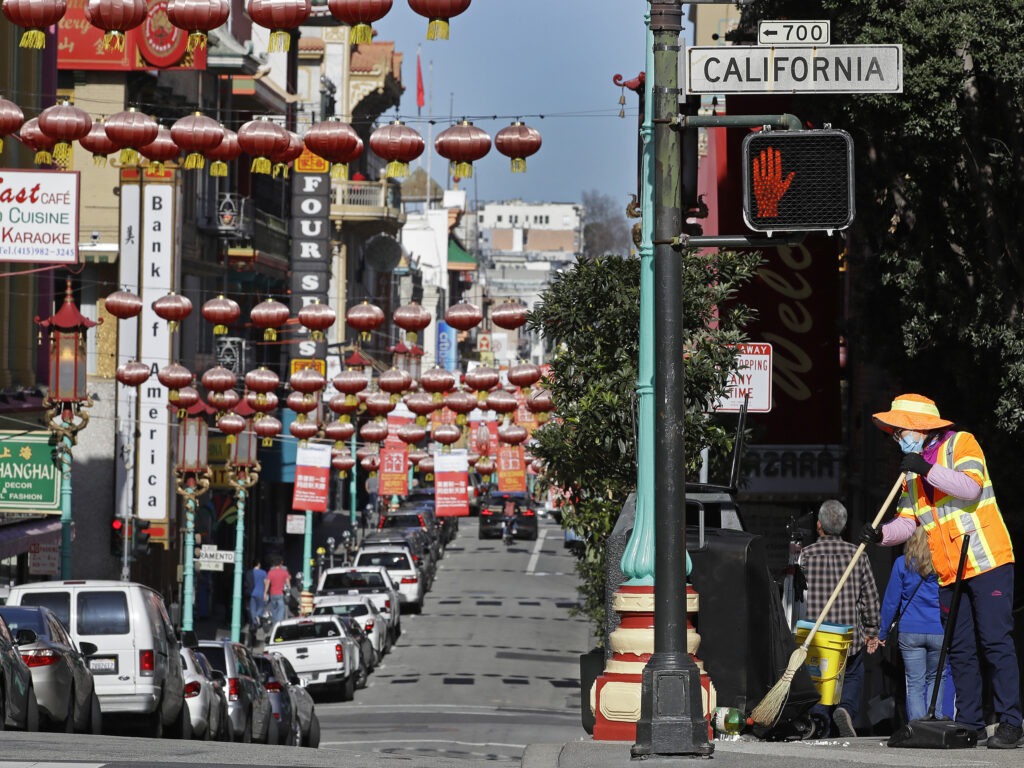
[
  {"x": 638, "y": 556},
  {"x": 65, "y": 506},
  {"x": 236, "y": 591},
  {"x": 307, "y": 553},
  {"x": 189, "y": 555},
  {"x": 352, "y": 488}
]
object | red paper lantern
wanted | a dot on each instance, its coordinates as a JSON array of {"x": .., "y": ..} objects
[
  {"x": 303, "y": 430},
  {"x": 374, "y": 431},
  {"x": 399, "y": 145},
  {"x": 370, "y": 463},
  {"x": 463, "y": 316},
  {"x": 269, "y": 315},
  {"x": 343, "y": 462},
  {"x": 291, "y": 151},
  {"x": 317, "y": 318},
  {"x": 223, "y": 401},
  {"x": 64, "y": 123},
  {"x": 219, "y": 379},
  {"x": 446, "y": 434},
  {"x": 279, "y": 16},
  {"x": 438, "y": 11},
  {"x": 415, "y": 457},
  {"x": 123, "y": 304},
  {"x": 35, "y": 16},
  {"x": 97, "y": 142},
  {"x": 339, "y": 431},
  {"x": 462, "y": 403},
  {"x": 308, "y": 381},
  {"x": 175, "y": 377},
  {"x": 517, "y": 141},
  {"x": 411, "y": 318},
  {"x": 485, "y": 466},
  {"x": 267, "y": 428},
  {"x": 161, "y": 150},
  {"x": 11, "y": 119},
  {"x": 394, "y": 381},
  {"x": 501, "y": 401},
  {"x": 133, "y": 373},
  {"x": 115, "y": 17},
  {"x": 197, "y": 17},
  {"x": 510, "y": 314},
  {"x": 231, "y": 424},
  {"x": 334, "y": 140},
  {"x": 262, "y": 140},
  {"x": 196, "y": 134},
  {"x": 379, "y": 404},
  {"x": 221, "y": 311},
  {"x": 426, "y": 465},
  {"x": 173, "y": 308},
  {"x": 524, "y": 375},
  {"x": 130, "y": 130},
  {"x": 350, "y": 382},
  {"x": 365, "y": 318},
  {"x": 541, "y": 404},
  {"x": 422, "y": 405},
  {"x": 183, "y": 399},
  {"x": 341, "y": 405},
  {"x": 32, "y": 136},
  {"x": 229, "y": 149},
  {"x": 483, "y": 378},
  {"x": 359, "y": 14},
  {"x": 437, "y": 381},
  {"x": 462, "y": 145},
  {"x": 262, "y": 402},
  {"x": 262, "y": 380},
  {"x": 411, "y": 433},
  {"x": 512, "y": 434}
]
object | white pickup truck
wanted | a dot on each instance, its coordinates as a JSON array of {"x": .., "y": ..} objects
[
  {"x": 373, "y": 581},
  {"x": 320, "y": 650}
]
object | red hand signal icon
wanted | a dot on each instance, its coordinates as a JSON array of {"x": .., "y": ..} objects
[{"x": 769, "y": 186}]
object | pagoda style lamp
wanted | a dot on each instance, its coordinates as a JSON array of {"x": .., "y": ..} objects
[{"x": 192, "y": 480}]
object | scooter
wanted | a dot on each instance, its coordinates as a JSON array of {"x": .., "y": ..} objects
[{"x": 508, "y": 532}]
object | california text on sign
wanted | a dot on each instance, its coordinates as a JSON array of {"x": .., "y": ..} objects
[{"x": 826, "y": 69}]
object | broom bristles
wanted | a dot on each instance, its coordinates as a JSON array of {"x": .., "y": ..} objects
[{"x": 770, "y": 707}]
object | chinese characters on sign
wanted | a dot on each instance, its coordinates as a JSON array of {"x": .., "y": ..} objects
[
  {"x": 511, "y": 469},
  {"x": 451, "y": 478},
  {"x": 312, "y": 477},
  {"x": 29, "y": 482}
]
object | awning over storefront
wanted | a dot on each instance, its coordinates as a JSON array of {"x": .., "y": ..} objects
[
  {"x": 17, "y": 538},
  {"x": 458, "y": 257}
]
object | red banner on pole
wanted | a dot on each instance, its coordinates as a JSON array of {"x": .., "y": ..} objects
[
  {"x": 451, "y": 482},
  {"x": 394, "y": 470},
  {"x": 312, "y": 477},
  {"x": 511, "y": 469}
]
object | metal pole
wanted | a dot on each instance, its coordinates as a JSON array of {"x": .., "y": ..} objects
[
  {"x": 64, "y": 453},
  {"x": 352, "y": 490},
  {"x": 671, "y": 709},
  {"x": 189, "y": 555},
  {"x": 236, "y": 588},
  {"x": 307, "y": 553}
]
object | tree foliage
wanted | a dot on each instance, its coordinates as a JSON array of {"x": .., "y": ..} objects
[
  {"x": 590, "y": 317},
  {"x": 936, "y": 251},
  {"x": 605, "y": 229}
]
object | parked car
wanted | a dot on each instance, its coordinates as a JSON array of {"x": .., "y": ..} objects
[
  {"x": 321, "y": 652},
  {"x": 298, "y": 724},
  {"x": 137, "y": 665},
  {"x": 374, "y": 582},
  {"x": 363, "y": 610},
  {"x": 64, "y": 686},
  {"x": 367, "y": 653},
  {"x": 18, "y": 705},
  {"x": 415, "y": 517},
  {"x": 399, "y": 563},
  {"x": 205, "y": 697},
  {"x": 249, "y": 708},
  {"x": 498, "y": 504},
  {"x": 416, "y": 541}
]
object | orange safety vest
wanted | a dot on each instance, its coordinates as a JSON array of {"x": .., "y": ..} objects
[{"x": 946, "y": 518}]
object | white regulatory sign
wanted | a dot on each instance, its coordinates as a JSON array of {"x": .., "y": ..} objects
[
  {"x": 793, "y": 32},
  {"x": 794, "y": 69},
  {"x": 752, "y": 379}
]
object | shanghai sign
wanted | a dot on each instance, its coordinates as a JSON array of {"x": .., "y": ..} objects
[{"x": 29, "y": 482}]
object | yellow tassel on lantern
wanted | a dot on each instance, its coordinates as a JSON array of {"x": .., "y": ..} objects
[
  {"x": 33, "y": 38},
  {"x": 155, "y": 167},
  {"x": 62, "y": 153},
  {"x": 219, "y": 168},
  {"x": 280, "y": 40},
  {"x": 362, "y": 33},
  {"x": 518, "y": 165},
  {"x": 260, "y": 165},
  {"x": 462, "y": 170},
  {"x": 339, "y": 171},
  {"x": 220, "y": 330},
  {"x": 397, "y": 170},
  {"x": 195, "y": 40},
  {"x": 113, "y": 41},
  {"x": 421, "y": 420},
  {"x": 437, "y": 29},
  {"x": 99, "y": 160},
  {"x": 194, "y": 160},
  {"x": 342, "y": 474},
  {"x": 280, "y": 169},
  {"x": 1, "y": 143},
  {"x": 43, "y": 157},
  {"x": 317, "y": 335},
  {"x": 270, "y": 335},
  {"x": 128, "y": 157},
  {"x": 266, "y": 442},
  {"x": 230, "y": 440},
  {"x": 172, "y": 325}
]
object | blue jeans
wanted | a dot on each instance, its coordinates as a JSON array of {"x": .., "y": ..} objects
[
  {"x": 277, "y": 608},
  {"x": 256, "y": 606},
  {"x": 921, "y": 660}
]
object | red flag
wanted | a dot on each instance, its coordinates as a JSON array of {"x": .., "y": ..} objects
[{"x": 419, "y": 84}]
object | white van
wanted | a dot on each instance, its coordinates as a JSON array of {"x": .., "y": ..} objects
[{"x": 137, "y": 665}]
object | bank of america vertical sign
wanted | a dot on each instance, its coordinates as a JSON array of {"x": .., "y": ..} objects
[{"x": 311, "y": 241}]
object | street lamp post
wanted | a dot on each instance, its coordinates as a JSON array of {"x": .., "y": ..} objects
[
  {"x": 65, "y": 401},
  {"x": 192, "y": 480},
  {"x": 245, "y": 471}
]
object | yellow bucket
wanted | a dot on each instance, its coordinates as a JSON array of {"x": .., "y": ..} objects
[{"x": 826, "y": 657}]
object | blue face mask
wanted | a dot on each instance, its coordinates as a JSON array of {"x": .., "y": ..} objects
[{"x": 909, "y": 445}]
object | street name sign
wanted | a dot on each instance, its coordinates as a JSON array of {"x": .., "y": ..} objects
[
  {"x": 212, "y": 559},
  {"x": 794, "y": 69},
  {"x": 787, "y": 32}
]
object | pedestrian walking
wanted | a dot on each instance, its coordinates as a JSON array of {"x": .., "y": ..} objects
[
  {"x": 910, "y": 607},
  {"x": 257, "y": 578},
  {"x": 948, "y": 492},
  {"x": 278, "y": 580},
  {"x": 823, "y": 564}
]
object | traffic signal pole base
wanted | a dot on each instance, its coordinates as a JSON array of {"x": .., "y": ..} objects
[{"x": 671, "y": 713}]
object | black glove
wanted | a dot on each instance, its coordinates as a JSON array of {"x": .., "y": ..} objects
[
  {"x": 915, "y": 462},
  {"x": 869, "y": 534}
]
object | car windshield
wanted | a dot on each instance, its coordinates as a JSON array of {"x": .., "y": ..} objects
[
  {"x": 265, "y": 666},
  {"x": 315, "y": 630},
  {"x": 352, "y": 580},
  {"x": 390, "y": 560},
  {"x": 24, "y": 618}
]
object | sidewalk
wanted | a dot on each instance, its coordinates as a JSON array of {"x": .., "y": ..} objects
[{"x": 752, "y": 753}]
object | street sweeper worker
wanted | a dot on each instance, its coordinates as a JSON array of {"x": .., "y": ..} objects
[{"x": 948, "y": 491}]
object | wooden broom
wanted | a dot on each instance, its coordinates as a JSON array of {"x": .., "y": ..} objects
[{"x": 770, "y": 707}]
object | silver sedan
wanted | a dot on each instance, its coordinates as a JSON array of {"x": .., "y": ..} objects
[{"x": 205, "y": 697}]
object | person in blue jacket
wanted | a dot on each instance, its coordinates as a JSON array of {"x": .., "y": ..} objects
[{"x": 913, "y": 595}]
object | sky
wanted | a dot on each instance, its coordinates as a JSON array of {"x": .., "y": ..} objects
[{"x": 526, "y": 58}]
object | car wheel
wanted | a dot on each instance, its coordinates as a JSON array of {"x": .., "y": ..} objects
[
  {"x": 95, "y": 715},
  {"x": 362, "y": 675},
  {"x": 32, "y": 715},
  {"x": 68, "y": 726},
  {"x": 313, "y": 737},
  {"x": 294, "y": 738},
  {"x": 348, "y": 688},
  {"x": 182, "y": 726}
]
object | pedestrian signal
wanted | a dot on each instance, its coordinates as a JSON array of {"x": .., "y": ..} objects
[
  {"x": 140, "y": 543},
  {"x": 798, "y": 181}
]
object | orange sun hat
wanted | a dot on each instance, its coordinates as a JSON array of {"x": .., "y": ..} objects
[{"x": 911, "y": 411}]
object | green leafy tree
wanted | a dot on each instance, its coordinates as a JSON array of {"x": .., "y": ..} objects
[
  {"x": 935, "y": 256},
  {"x": 590, "y": 317}
]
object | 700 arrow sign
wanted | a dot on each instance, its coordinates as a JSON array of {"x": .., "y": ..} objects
[{"x": 794, "y": 32}]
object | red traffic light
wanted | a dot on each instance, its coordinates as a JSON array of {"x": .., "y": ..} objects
[{"x": 116, "y": 524}]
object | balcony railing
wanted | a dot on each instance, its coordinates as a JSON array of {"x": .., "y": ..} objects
[
  {"x": 367, "y": 201},
  {"x": 233, "y": 217}
]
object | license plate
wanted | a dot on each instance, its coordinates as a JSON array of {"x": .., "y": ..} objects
[{"x": 103, "y": 666}]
